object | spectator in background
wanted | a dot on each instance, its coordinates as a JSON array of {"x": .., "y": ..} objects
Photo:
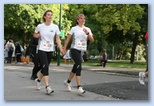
[
  {"x": 32, "y": 51},
  {"x": 22, "y": 57},
  {"x": 13, "y": 54},
  {"x": 104, "y": 58},
  {"x": 27, "y": 55},
  {"x": 22, "y": 50},
  {"x": 5, "y": 52},
  {"x": 18, "y": 52},
  {"x": 11, "y": 49}
]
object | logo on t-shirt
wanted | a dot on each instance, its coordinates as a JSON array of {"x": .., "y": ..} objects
[{"x": 51, "y": 31}]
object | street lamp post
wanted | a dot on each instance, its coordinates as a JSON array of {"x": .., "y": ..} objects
[{"x": 60, "y": 23}]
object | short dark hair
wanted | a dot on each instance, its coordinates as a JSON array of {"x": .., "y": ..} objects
[{"x": 78, "y": 18}]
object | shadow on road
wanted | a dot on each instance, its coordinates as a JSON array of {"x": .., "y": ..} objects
[{"x": 130, "y": 90}]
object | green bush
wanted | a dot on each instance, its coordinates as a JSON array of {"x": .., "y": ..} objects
[{"x": 94, "y": 52}]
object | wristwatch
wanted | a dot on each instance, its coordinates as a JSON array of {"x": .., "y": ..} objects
[{"x": 87, "y": 33}]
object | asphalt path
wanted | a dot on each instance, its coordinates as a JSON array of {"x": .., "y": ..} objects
[{"x": 99, "y": 85}]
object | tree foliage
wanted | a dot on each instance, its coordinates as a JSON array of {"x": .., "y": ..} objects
[{"x": 121, "y": 26}]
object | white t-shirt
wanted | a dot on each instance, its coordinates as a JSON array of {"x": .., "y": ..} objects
[
  {"x": 46, "y": 41},
  {"x": 79, "y": 38},
  {"x": 7, "y": 49}
]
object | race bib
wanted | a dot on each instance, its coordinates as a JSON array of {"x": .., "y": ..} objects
[
  {"x": 46, "y": 45},
  {"x": 81, "y": 44}
]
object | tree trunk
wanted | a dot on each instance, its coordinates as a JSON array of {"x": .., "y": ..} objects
[
  {"x": 24, "y": 40},
  {"x": 135, "y": 41}
]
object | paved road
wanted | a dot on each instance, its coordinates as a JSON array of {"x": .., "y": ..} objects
[{"x": 100, "y": 85}]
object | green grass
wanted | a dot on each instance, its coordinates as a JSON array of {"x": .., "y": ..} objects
[
  {"x": 115, "y": 63},
  {"x": 126, "y": 64}
]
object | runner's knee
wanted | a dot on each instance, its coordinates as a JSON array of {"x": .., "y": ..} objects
[{"x": 44, "y": 70}]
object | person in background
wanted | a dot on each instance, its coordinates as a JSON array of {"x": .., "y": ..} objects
[
  {"x": 13, "y": 54},
  {"x": 104, "y": 58},
  {"x": 11, "y": 48},
  {"x": 33, "y": 52},
  {"x": 80, "y": 34},
  {"x": 27, "y": 56},
  {"x": 22, "y": 57},
  {"x": 46, "y": 32},
  {"x": 5, "y": 52},
  {"x": 22, "y": 50},
  {"x": 143, "y": 75},
  {"x": 18, "y": 52}
]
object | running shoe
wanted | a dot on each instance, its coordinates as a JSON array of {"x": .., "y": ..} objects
[
  {"x": 80, "y": 90},
  {"x": 49, "y": 90},
  {"x": 68, "y": 85}
]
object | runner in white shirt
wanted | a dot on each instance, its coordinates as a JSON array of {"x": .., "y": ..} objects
[
  {"x": 46, "y": 32},
  {"x": 80, "y": 35}
]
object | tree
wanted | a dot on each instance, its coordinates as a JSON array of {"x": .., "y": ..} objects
[
  {"x": 108, "y": 20},
  {"x": 20, "y": 20},
  {"x": 111, "y": 24}
]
